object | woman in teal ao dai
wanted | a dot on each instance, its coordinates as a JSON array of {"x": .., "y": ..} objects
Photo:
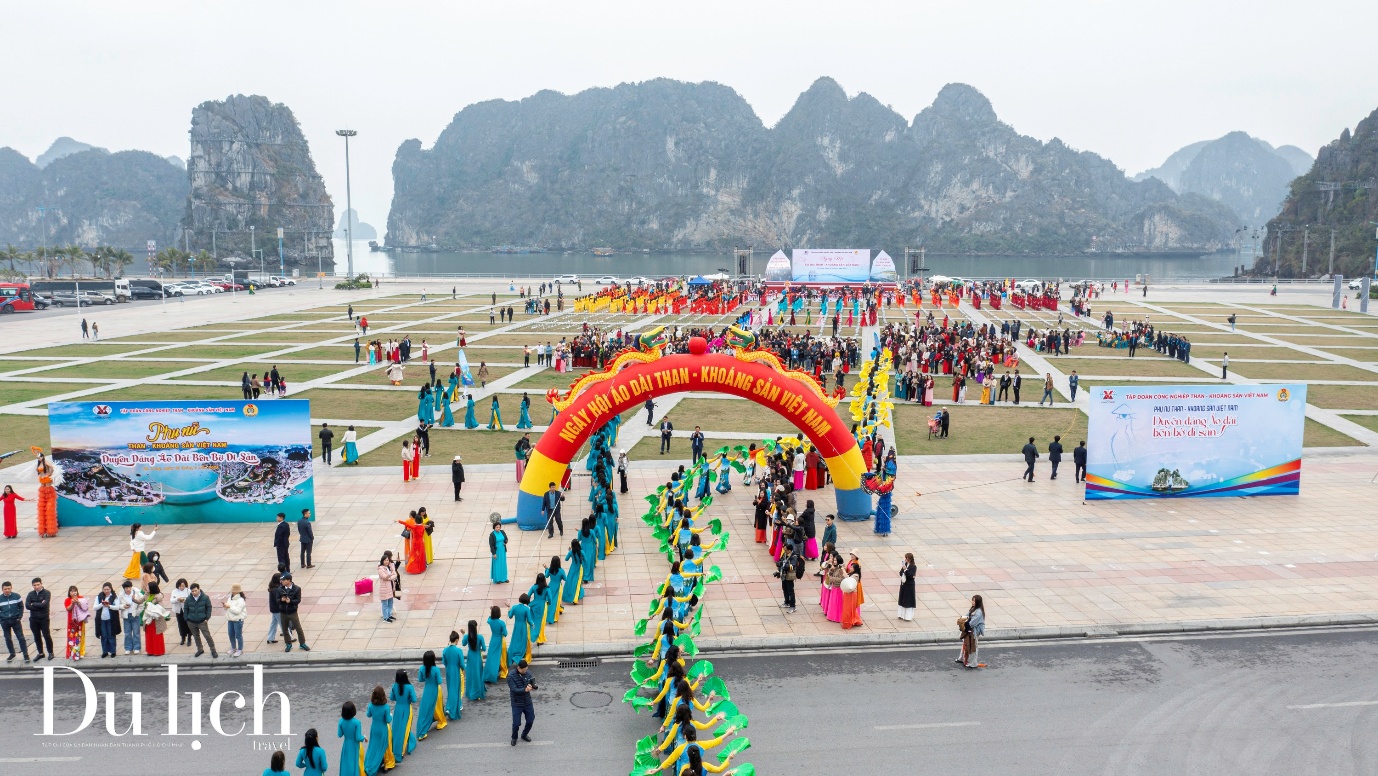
[
  {"x": 495, "y": 418},
  {"x": 470, "y": 420},
  {"x": 496, "y": 667},
  {"x": 555, "y": 578},
  {"x": 351, "y": 734},
  {"x": 520, "y": 615},
  {"x": 452, "y": 657},
  {"x": 379, "y": 734},
  {"x": 403, "y": 697},
  {"x": 497, "y": 546},
  {"x": 447, "y": 418},
  {"x": 425, "y": 409},
  {"x": 525, "y": 420},
  {"x": 430, "y": 713},
  {"x": 574, "y": 583},
  {"x": 540, "y": 595},
  {"x": 473, "y": 645}
]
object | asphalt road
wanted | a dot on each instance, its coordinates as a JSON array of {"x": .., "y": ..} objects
[{"x": 1299, "y": 703}]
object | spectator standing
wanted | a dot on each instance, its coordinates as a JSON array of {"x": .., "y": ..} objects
[
  {"x": 306, "y": 536},
  {"x": 179, "y": 598},
  {"x": 550, "y": 507},
  {"x": 236, "y": 609},
  {"x": 1225, "y": 365},
  {"x": 1047, "y": 389},
  {"x": 387, "y": 581},
  {"x": 1030, "y": 455},
  {"x": 85, "y": 329},
  {"x": 973, "y": 627},
  {"x": 289, "y": 598},
  {"x": 273, "y": 608},
  {"x": 326, "y": 437},
  {"x": 1018, "y": 383},
  {"x": 37, "y": 602},
  {"x": 282, "y": 539},
  {"x": 1055, "y": 454},
  {"x": 696, "y": 445},
  {"x": 130, "y": 601},
  {"x": 457, "y": 476},
  {"x": 622, "y": 470},
  {"x": 520, "y": 683},
  {"x": 667, "y": 432},
  {"x": 907, "y": 598},
  {"x": 650, "y": 411},
  {"x": 1079, "y": 458},
  {"x": 12, "y": 621},
  {"x": 1072, "y": 383},
  {"x": 197, "y": 610}
]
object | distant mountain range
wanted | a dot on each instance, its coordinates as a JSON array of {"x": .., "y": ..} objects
[
  {"x": 1339, "y": 192},
  {"x": 671, "y": 165},
  {"x": 362, "y": 231},
  {"x": 1243, "y": 173}
]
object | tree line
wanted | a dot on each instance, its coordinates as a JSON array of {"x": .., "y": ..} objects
[{"x": 102, "y": 261}]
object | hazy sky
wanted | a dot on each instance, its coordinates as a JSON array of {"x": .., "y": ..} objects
[{"x": 1130, "y": 81}]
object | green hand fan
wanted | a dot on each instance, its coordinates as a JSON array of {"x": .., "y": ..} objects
[
  {"x": 700, "y": 668},
  {"x": 707, "y": 502},
  {"x": 737, "y": 721},
  {"x": 646, "y": 744},
  {"x": 644, "y": 650},
  {"x": 728, "y": 708},
  {"x": 640, "y": 628},
  {"x": 645, "y": 764},
  {"x": 714, "y": 574},
  {"x": 629, "y": 695},
  {"x": 733, "y": 747},
  {"x": 641, "y": 672},
  {"x": 686, "y": 645},
  {"x": 717, "y": 687},
  {"x": 640, "y": 703},
  {"x": 745, "y": 769},
  {"x": 715, "y": 525},
  {"x": 695, "y": 629},
  {"x": 712, "y": 476}
]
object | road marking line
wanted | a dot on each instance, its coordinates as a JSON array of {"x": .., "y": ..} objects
[
  {"x": 491, "y": 746},
  {"x": 39, "y": 759},
  {"x": 1344, "y": 705},
  {"x": 927, "y": 725}
]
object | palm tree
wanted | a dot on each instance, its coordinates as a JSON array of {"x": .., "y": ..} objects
[
  {"x": 117, "y": 260},
  {"x": 10, "y": 254},
  {"x": 75, "y": 255},
  {"x": 203, "y": 261}
]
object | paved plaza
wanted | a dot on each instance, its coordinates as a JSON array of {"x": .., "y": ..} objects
[{"x": 1045, "y": 560}]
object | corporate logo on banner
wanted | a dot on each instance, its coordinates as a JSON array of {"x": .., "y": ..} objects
[{"x": 1177, "y": 441}]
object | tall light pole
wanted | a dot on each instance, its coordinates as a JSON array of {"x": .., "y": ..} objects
[{"x": 349, "y": 207}]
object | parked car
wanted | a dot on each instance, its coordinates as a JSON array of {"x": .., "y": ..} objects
[
  {"x": 639, "y": 280},
  {"x": 1030, "y": 286},
  {"x": 145, "y": 292},
  {"x": 87, "y": 298},
  {"x": 562, "y": 279},
  {"x": 606, "y": 280},
  {"x": 1356, "y": 284},
  {"x": 227, "y": 286},
  {"x": 282, "y": 280},
  {"x": 176, "y": 289}
]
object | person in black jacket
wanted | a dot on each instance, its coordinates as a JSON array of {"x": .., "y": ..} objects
[
  {"x": 1055, "y": 455},
  {"x": 326, "y": 437},
  {"x": 1079, "y": 458},
  {"x": 197, "y": 610},
  {"x": 289, "y": 598},
  {"x": 12, "y": 620},
  {"x": 273, "y": 608},
  {"x": 37, "y": 603},
  {"x": 282, "y": 540},
  {"x": 791, "y": 567},
  {"x": 1018, "y": 381},
  {"x": 520, "y": 683},
  {"x": 306, "y": 535},
  {"x": 1030, "y": 455},
  {"x": 457, "y": 476}
]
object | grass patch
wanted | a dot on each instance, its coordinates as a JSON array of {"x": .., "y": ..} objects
[
  {"x": 1248, "y": 351},
  {"x": 1302, "y": 372},
  {"x": 20, "y": 432},
  {"x": 85, "y": 349},
  {"x": 116, "y": 369},
  {"x": 217, "y": 351},
  {"x": 738, "y": 415},
  {"x": 166, "y": 392},
  {"x": 1343, "y": 397},
  {"x": 181, "y": 335},
  {"x": 295, "y": 374},
  {"x": 1311, "y": 340},
  {"x": 16, "y": 366},
  {"x": 476, "y": 447},
  {"x": 1317, "y": 434},
  {"x": 1116, "y": 367},
  {"x": 1358, "y": 354},
  {"x": 343, "y": 352},
  {"x": 285, "y": 336},
  {"x": 359, "y": 405},
  {"x": 16, "y": 393},
  {"x": 1369, "y": 422},
  {"x": 978, "y": 429},
  {"x": 649, "y": 447},
  {"x": 305, "y": 315},
  {"x": 549, "y": 378}
]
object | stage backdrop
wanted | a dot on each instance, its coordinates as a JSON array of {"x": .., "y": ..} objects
[
  {"x": 831, "y": 266},
  {"x": 181, "y": 461},
  {"x": 1194, "y": 440}
]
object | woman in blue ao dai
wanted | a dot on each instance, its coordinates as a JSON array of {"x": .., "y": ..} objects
[
  {"x": 452, "y": 657},
  {"x": 403, "y": 697},
  {"x": 574, "y": 583},
  {"x": 311, "y": 757},
  {"x": 497, "y": 546},
  {"x": 474, "y": 688},
  {"x": 555, "y": 578},
  {"x": 496, "y": 667},
  {"x": 540, "y": 602},
  {"x": 520, "y": 615},
  {"x": 431, "y": 711},
  {"x": 470, "y": 420},
  {"x": 379, "y": 754}
]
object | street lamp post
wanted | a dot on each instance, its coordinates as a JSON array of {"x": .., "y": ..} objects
[{"x": 349, "y": 207}]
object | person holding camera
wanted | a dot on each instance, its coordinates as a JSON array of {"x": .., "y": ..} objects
[
  {"x": 790, "y": 568},
  {"x": 521, "y": 683}
]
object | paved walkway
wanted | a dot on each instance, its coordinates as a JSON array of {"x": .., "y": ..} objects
[{"x": 1040, "y": 556}]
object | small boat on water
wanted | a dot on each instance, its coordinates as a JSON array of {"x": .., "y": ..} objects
[{"x": 602, "y": 251}]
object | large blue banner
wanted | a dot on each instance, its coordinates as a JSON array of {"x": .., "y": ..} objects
[
  {"x": 181, "y": 461},
  {"x": 1195, "y": 440}
]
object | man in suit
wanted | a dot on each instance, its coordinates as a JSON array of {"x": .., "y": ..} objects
[
  {"x": 1030, "y": 455},
  {"x": 943, "y": 423},
  {"x": 550, "y": 507},
  {"x": 289, "y": 598},
  {"x": 667, "y": 430},
  {"x": 1055, "y": 455},
  {"x": 650, "y": 411},
  {"x": 696, "y": 444},
  {"x": 1079, "y": 458},
  {"x": 306, "y": 535},
  {"x": 282, "y": 538},
  {"x": 1018, "y": 381},
  {"x": 457, "y": 476},
  {"x": 327, "y": 437},
  {"x": 1005, "y": 381}
]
